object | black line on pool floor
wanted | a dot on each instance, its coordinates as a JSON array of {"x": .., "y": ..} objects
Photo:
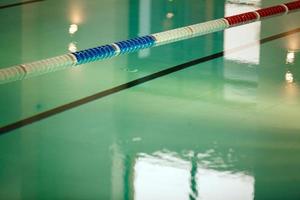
[
  {"x": 119, "y": 88},
  {"x": 19, "y": 4}
]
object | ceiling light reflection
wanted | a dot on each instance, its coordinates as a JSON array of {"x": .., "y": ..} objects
[
  {"x": 290, "y": 57},
  {"x": 169, "y": 15},
  {"x": 289, "y": 77},
  {"x": 72, "y": 47},
  {"x": 73, "y": 28}
]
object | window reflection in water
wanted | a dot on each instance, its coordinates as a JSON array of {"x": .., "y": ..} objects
[
  {"x": 165, "y": 175},
  {"x": 156, "y": 178},
  {"x": 242, "y": 35},
  {"x": 240, "y": 65}
]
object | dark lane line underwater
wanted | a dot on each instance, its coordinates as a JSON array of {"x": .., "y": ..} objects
[{"x": 19, "y": 4}]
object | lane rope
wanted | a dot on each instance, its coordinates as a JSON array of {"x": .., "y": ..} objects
[{"x": 28, "y": 70}]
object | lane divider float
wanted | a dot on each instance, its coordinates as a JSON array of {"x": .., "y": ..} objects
[{"x": 28, "y": 70}]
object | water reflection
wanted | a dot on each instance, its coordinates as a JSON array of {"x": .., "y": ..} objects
[
  {"x": 156, "y": 178},
  {"x": 290, "y": 61},
  {"x": 290, "y": 57},
  {"x": 289, "y": 77},
  {"x": 193, "y": 179},
  {"x": 242, "y": 35},
  {"x": 72, "y": 47},
  {"x": 168, "y": 175},
  {"x": 169, "y": 15},
  {"x": 73, "y": 28},
  {"x": 240, "y": 66}
]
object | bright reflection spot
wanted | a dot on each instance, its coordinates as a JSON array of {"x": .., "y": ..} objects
[
  {"x": 155, "y": 179},
  {"x": 242, "y": 54},
  {"x": 240, "y": 36},
  {"x": 215, "y": 185},
  {"x": 72, "y": 47},
  {"x": 169, "y": 15},
  {"x": 289, "y": 77},
  {"x": 73, "y": 28},
  {"x": 165, "y": 175},
  {"x": 290, "y": 57}
]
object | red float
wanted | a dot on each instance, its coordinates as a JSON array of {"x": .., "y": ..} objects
[
  {"x": 274, "y": 10},
  {"x": 293, "y": 5},
  {"x": 241, "y": 18}
]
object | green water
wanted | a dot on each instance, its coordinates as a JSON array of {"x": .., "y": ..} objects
[{"x": 227, "y": 128}]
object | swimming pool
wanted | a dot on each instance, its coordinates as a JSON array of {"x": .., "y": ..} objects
[{"x": 214, "y": 117}]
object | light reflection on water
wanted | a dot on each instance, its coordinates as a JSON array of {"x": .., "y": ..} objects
[
  {"x": 241, "y": 82},
  {"x": 242, "y": 35},
  {"x": 169, "y": 175},
  {"x": 290, "y": 57}
]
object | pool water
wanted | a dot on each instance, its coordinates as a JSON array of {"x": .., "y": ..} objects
[{"x": 214, "y": 117}]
